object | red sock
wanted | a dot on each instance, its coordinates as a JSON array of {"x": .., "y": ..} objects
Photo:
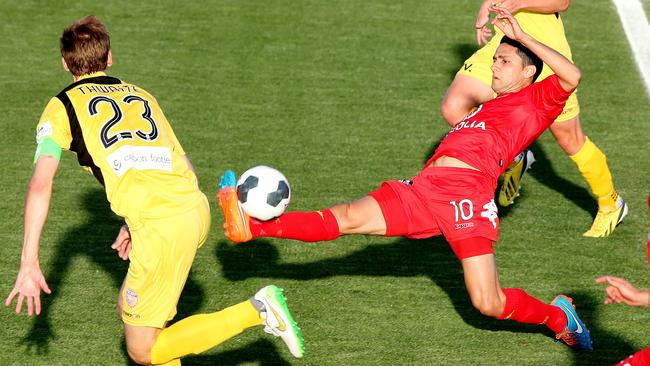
[
  {"x": 524, "y": 308},
  {"x": 303, "y": 226}
]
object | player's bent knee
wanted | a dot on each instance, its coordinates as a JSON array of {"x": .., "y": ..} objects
[
  {"x": 569, "y": 136},
  {"x": 139, "y": 356},
  {"x": 488, "y": 305},
  {"x": 139, "y": 342},
  {"x": 140, "y": 351},
  {"x": 571, "y": 144},
  {"x": 345, "y": 217},
  {"x": 363, "y": 216}
]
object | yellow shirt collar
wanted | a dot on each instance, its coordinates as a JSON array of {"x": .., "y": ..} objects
[{"x": 94, "y": 74}]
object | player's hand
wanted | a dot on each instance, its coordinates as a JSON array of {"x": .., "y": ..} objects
[
  {"x": 483, "y": 32},
  {"x": 123, "y": 243},
  {"x": 620, "y": 290},
  {"x": 512, "y": 6},
  {"x": 29, "y": 283},
  {"x": 507, "y": 23}
]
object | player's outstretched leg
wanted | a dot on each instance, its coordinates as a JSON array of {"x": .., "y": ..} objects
[
  {"x": 198, "y": 333},
  {"x": 606, "y": 221},
  {"x": 278, "y": 320},
  {"x": 512, "y": 177},
  {"x": 236, "y": 222},
  {"x": 575, "y": 334}
]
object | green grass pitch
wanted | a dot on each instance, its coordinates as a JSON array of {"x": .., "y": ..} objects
[{"x": 338, "y": 95}]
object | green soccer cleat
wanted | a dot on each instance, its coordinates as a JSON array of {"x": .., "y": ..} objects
[
  {"x": 512, "y": 177},
  {"x": 278, "y": 320}
]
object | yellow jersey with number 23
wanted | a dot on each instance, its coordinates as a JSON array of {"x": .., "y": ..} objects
[{"x": 121, "y": 135}]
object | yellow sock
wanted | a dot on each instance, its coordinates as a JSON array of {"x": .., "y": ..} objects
[
  {"x": 198, "y": 333},
  {"x": 592, "y": 164}
]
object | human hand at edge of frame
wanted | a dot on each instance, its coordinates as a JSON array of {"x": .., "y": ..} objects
[
  {"x": 483, "y": 32},
  {"x": 123, "y": 243},
  {"x": 29, "y": 283},
  {"x": 620, "y": 290},
  {"x": 505, "y": 21},
  {"x": 512, "y": 6}
]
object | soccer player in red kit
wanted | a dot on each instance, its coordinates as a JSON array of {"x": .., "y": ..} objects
[{"x": 453, "y": 195}]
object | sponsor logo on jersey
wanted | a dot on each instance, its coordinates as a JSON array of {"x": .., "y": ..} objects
[
  {"x": 407, "y": 182},
  {"x": 140, "y": 158},
  {"x": 44, "y": 130},
  {"x": 466, "y": 123}
]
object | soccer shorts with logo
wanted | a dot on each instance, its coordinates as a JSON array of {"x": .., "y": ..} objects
[
  {"x": 479, "y": 65},
  {"x": 455, "y": 202},
  {"x": 162, "y": 253}
]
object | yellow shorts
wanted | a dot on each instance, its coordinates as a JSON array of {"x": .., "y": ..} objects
[
  {"x": 162, "y": 253},
  {"x": 547, "y": 29}
]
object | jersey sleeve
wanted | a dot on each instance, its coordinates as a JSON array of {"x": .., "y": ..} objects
[
  {"x": 177, "y": 145},
  {"x": 54, "y": 124},
  {"x": 549, "y": 97}
]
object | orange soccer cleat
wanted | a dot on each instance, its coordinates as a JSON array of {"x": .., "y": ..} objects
[{"x": 236, "y": 221}]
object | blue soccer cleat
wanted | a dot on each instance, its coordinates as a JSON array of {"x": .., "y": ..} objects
[
  {"x": 228, "y": 179},
  {"x": 575, "y": 334}
]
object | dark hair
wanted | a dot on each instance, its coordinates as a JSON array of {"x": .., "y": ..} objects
[
  {"x": 85, "y": 45},
  {"x": 527, "y": 56}
]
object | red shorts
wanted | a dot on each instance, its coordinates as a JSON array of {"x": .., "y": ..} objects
[{"x": 455, "y": 202}]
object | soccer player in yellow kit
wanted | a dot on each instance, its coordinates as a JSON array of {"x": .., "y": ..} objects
[
  {"x": 121, "y": 135},
  {"x": 471, "y": 87}
]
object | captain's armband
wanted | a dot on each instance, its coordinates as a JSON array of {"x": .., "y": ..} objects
[{"x": 48, "y": 147}]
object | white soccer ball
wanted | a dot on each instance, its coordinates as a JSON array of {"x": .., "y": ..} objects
[{"x": 263, "y": 192}]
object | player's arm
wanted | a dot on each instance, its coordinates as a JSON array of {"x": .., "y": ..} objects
[
  {"x": 533, "y": 6},
  {"x": 123, "y": 242},
  {"x": 568, "y": 74},
  {"x": 30, "y": 280},
  {"x": 484, "y": 33}
]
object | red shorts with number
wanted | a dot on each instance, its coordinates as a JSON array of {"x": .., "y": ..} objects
[{"x": 455, "y": 202}]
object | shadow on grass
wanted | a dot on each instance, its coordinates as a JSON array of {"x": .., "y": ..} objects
[
  {"x": 409, "y": 258},
  {"x": 93, "y": 239},
  {"x": 262, "y": 352},
  {"x": 544, "y": 173}
]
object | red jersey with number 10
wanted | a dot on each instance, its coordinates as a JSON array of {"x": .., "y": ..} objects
[{"x": 490, "y": 137}]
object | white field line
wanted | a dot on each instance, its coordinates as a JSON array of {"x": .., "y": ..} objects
[{"x": 635, "y": 24}]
